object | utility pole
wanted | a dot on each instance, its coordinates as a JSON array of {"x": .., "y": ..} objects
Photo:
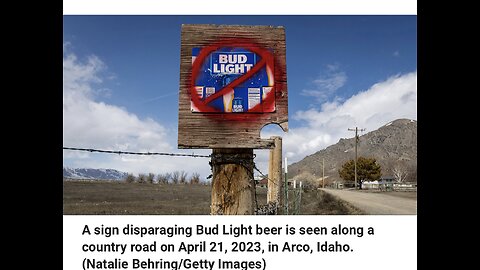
[
  {"x": 323, "y": 172},
  {"x": 356, "y": 142}
]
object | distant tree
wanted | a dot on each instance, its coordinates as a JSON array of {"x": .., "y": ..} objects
[
  {"x": 400, "y": 172},
  {"x": 175, "y": 177},
  {"x": 367, "y": 169},
  {"x": 150, "y": 177},
  {"x": 130, "y": 178},
  {"x": 142, "y": 178},
  {"x": 183, "y": 177},
  {"x": 309, "y": 181},
  {"x": 163, "y": 178},
  {"x": 195, "y": 178},
  {"x": 169, "y": 177}
]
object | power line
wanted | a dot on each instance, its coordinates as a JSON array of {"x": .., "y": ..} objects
[{"x": 135, "y": 153}]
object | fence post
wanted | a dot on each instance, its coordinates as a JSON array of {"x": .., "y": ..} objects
[
  {"x": 275, "y": 172},
  {"x": 295, "y": 194},
  {"x": 300, "y": 198},
  {"x": 286, "y": 187},
  {"x": 233, "y": 187}
]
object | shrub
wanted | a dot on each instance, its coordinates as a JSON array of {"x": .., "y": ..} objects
[
  {"x": 142, "y": 178},
  {"x": 130, "y": 178},
  {"x": 195, "y": 179},
  {"x": 150, "y": 177}
]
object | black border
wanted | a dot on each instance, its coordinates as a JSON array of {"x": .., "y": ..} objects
[{"x": 42, "y": 130}]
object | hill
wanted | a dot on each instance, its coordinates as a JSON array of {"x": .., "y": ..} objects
[{"x": 393, "y": 145}]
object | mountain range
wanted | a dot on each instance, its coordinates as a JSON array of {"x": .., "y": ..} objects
[{"x": 84, "y": 173}]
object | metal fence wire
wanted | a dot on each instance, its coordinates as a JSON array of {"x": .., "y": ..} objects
[{"x": 268, "y": 209}]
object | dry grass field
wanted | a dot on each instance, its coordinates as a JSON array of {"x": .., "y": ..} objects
[{"x": 120, "y": 198}]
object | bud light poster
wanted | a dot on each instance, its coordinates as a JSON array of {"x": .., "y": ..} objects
[{"x": 224, "y": 66}]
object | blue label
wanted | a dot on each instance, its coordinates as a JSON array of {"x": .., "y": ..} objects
[{"x": 221, "y": 68}]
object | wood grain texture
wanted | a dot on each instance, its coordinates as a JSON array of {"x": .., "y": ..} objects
[
  {"x": 208, "y": 130},
  {"x": 275, "y": 186},
  {"x": 233, "y": 190}
]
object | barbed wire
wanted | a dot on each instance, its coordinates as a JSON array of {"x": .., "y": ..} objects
[
  {"x": 225, "y": 159},
  {"x": 235, "y": 158},
  {"x": 135, "y": 153},
  {"x": 263, "y": 175}
]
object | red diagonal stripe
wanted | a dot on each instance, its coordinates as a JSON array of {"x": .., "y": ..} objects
[{"x": 237, "y": 81}]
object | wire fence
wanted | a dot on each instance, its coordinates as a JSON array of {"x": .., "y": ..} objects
[
  {"x": 233, "y": 159},
  {"x": 135, "y": 153},
  {"x": 92, "y": 150}
]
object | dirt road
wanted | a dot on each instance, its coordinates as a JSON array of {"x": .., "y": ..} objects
[{"x": 377, "y": 203}]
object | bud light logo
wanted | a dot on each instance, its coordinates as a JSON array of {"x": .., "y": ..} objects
[
  {"x": 237, "y": 104},
  {"x": 232, "y": 63}
]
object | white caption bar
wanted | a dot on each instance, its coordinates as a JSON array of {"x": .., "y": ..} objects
[{"x": 241, "y": 242}]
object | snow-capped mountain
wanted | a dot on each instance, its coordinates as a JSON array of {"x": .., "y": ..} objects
[{"x": 85, "y": 173}]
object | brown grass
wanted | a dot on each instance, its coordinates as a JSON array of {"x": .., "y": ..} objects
[
  {"x": 120, "y": 198},
  {"x": 318, "y": 202},
  {"x": 114, "y": 198}
]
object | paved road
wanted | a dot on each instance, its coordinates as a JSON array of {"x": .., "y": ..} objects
[{"x": 376, "y": 203}]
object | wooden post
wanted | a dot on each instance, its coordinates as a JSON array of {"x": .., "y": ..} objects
[
  {"x": 295, "y": 194},
  {"x": 275, "y": 172},
  {"x": 300, "y": 198},
  {"x": 270, "y": 169},
  {"x": 286, "y": 187},
  {"x": 233, "y": 190}
]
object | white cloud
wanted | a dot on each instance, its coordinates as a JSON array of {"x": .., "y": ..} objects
[
  {"x": 383, "y": 102},
  {"x": 327, "y": 83},
  {"x": 88, "y": 123}
]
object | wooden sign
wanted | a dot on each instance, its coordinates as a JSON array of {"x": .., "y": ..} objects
[{"x": 233, "y": 82}]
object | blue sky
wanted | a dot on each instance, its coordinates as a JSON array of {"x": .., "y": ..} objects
[{"x": 121, "y": 74}]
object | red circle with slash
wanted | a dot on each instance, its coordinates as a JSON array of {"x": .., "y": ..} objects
[{"x": 267, "y": 60}]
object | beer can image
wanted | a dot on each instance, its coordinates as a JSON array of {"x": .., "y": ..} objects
[
  {"x": 237, "y": 104},
  {"x": 227, "y": 101}
]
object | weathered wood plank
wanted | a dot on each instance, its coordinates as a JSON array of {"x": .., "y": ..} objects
[
  {"x": 233, "y": 187},
  {"x": 207, "y": 130}
]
